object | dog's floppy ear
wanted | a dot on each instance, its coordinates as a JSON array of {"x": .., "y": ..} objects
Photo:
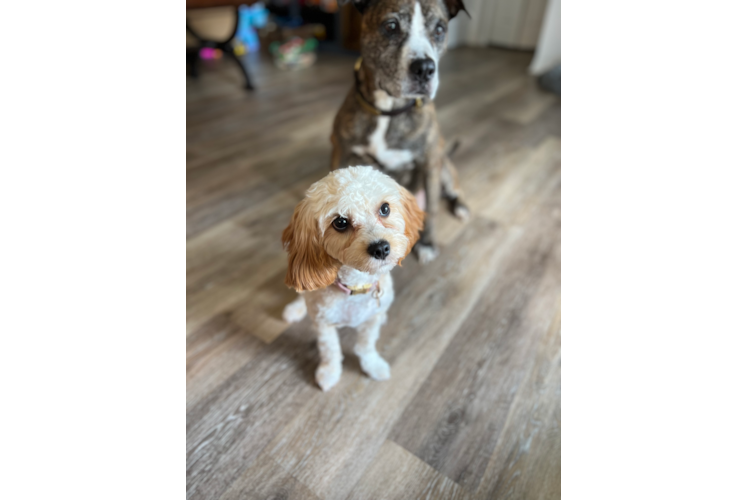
[
  {"x": 454, "y": 7},
  {"x": 309, "y": 265},
  {"x": 361, "y": 5},
  {"x": 413, "y": 216}
]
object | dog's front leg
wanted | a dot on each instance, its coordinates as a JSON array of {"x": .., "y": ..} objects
[
  {"x": 371, "y": 362},
  {"x": 425, "y": 248},
  {"x": 331, "y": 357},
  {"x": 452, "y": 192}
]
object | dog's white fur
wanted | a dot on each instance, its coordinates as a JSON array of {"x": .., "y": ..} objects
[
  {"x": 318, "y": 255},
  {"x": 392, "y": 159},
  {"x": 420, "y": 46}
]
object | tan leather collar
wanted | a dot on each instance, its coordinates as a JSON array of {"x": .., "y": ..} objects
[{"x": 358, "y": 290}]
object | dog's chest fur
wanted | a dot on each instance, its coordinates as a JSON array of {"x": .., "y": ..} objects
[
  {"x": 386, "y": 142},
  {"x": 333, "y": 307}
]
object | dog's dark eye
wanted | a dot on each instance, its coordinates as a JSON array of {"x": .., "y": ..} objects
[
  {"x": 384, "y": 210},
  {"x": 440, "y": 30},
  {"x": 340, "y": 224},
  {"x": 391, "y": 26}
]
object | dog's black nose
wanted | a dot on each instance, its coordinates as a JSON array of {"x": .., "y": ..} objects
[
  {"x": 379, "y": 249},
  {"x": 423, "y": 69}
]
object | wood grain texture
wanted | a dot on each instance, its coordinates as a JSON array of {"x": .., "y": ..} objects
[
  {"x": 472, "y": 410},
  {"x": 406, "y": 477},
  {"x": 264, "y": 480},
  {"x": 526, "y": 462},
  {"x": 455, "y": 420}
]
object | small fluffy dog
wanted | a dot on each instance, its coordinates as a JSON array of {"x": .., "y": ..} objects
[{"x": 344, "y": 238}]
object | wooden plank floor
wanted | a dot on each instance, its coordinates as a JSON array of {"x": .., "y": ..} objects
[{"x": 473, "y": 409}]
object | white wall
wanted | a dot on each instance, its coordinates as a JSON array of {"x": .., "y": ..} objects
[
  {"x": 505, "y": 23},
  {"x": 548, "y": 52}
]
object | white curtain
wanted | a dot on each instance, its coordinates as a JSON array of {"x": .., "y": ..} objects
[
  {"x": 504, "y": 23},
  {"x": 548, "y": 51}
]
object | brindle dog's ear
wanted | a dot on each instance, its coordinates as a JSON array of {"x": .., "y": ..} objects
[
  {"x": 454, "y": 7},
  {"x": 361, "y": 5}
]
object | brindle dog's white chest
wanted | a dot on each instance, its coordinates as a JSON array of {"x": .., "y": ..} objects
[{"x": 391, "y": 159}]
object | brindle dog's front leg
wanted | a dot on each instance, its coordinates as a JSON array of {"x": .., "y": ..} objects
[
  {"x": 425, "y": 249},
  {"x": 452, "y": 191}
]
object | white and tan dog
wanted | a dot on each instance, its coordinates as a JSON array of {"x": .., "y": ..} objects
[{"x": 345, "y": 237}]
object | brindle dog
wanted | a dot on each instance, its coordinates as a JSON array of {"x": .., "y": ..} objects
[{"x": 388, "y": 118}]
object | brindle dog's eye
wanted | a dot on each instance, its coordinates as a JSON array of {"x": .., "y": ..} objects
[
  {"x": 391, "y": 27},
  {"x": 440, "y": 29},
  {"x": 340, "y": 224},
  {"x": 384, "y": 210}
]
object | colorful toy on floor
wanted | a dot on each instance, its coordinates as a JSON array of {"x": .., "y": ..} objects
[
  {"x": 250, "y": 19},
  {"x": 239, "y": 49},
  {"x": 207, "y": 53},
  {"x": 295, "y": 53}
]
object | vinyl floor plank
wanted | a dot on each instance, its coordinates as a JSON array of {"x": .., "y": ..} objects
[
  {"x": 527, "y": 460},
  {"x": 407, "y": 478},
  {"x": 227, "y": 429},
  {"x": 214, "y": 353},
  {"x": 265, "y": 480},
  {"x": 456, "y": 418}
]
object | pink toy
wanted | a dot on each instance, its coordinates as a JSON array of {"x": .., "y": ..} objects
[{"x": 210, "y": 53}]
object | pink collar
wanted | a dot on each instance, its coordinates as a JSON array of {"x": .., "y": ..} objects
[{"x": 356, "y": 290}]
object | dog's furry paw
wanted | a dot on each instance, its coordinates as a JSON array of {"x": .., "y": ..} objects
[
  {"x": 375, "y": 366},
  {"x": 425, "y": 253},
  {"x": 295, "y": 311},
  {"x": 328, "y": 375},
  {"x": 459, "y": 209}
]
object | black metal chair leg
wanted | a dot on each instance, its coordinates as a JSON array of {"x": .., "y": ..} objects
[
  {"x": 229, "y": 51},
  {"x": 192, "y": 60}
]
